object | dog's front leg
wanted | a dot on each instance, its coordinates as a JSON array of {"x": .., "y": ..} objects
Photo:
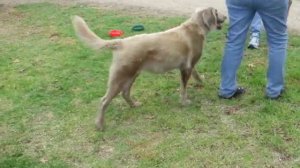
[{"x": 185, "y": 76}]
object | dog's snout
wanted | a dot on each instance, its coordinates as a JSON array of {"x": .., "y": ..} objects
[{"x": 222, "y": 17}]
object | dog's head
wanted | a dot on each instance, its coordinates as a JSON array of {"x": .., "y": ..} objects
[{"x": 210, "y": 17}]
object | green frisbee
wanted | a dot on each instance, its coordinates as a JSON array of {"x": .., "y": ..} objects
[{"x": 138, "y": 27}]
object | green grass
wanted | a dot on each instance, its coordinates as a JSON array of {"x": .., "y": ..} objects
[{"x": 50, "y": 88}]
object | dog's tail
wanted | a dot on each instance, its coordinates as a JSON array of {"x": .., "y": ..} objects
[{"x": 90, "y": 38}]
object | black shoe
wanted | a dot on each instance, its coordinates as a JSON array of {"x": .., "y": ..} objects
[
  {"x": 251, "y": 47},
  {"x": 276, "y": 97},
  {"x": 238, "y": 92}
]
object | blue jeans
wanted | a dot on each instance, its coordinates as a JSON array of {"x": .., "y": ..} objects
[
  {"x": 274, "y": 16},
  {"x": 256, "y": 25}
]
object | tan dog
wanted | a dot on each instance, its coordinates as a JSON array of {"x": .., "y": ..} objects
[{"x": 177, "y": 48}]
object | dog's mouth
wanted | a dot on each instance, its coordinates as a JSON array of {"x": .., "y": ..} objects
[{"x": 219, "y": 24}]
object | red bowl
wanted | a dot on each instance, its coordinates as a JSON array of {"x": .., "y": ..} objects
[{"x": 115, "y": 33}]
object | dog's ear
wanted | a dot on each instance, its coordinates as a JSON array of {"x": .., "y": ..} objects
[
  {"x": 215, "y": 15},
  {"x": 209, "y": 17}
]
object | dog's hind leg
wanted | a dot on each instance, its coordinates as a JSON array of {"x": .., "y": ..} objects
[
  {"x": 126, "y": 92},
  {"x": 105, "y": 101},
  {"x": 196, "y": 76},
  {"x": 185, "y": 76}
]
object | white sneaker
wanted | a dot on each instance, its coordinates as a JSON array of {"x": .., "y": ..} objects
[{"x": 254, "y": 42}]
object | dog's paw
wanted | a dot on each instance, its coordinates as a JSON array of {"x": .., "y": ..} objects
[
  {"x": 186, "y": 102},
  {"x": 136, "y": 104},
  {"x": 99, "y": 125},
  {"x": 198, "y": 85}
]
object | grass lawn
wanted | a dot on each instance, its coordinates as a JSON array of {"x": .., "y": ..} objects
[{"x": 51, "y": 85}]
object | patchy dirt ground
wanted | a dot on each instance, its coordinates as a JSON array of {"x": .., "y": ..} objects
[{"x": 178, "y": 7}]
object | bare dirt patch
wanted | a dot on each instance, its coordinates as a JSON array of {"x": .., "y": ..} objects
[{"x": 159, "y": 7}]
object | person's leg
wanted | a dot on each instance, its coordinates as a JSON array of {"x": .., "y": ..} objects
[
  {"x": 240, "y": 17},
  {"x": 255, "y": 29},
  {"x": 290, "y": 3},
  {"x": 256, "y": 24},
  {"x": 274, "y": 18}
]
